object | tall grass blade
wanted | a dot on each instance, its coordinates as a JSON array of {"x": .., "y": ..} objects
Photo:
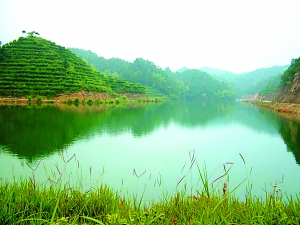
[
  {"x": 55, "y": 209},
  {"x": 92, "y": 219},
  {"x": 242, "y": 158},
  {"x": 204, "y": 180},
  {"x": 154, "y": 219}
]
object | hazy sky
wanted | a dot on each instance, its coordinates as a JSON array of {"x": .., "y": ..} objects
[{"x": 235, "y": 35}]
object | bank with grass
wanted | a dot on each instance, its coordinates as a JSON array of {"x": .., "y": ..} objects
[{"x": 25, "y": 201}]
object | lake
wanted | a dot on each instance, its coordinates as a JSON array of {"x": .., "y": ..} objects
[{"x": 152, "y": 149}]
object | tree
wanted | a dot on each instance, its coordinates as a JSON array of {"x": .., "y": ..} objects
[
  {"x": 32, "y": 33},
  {"x": 0, "y": 43},
  {"x": 23, "y": 32}
]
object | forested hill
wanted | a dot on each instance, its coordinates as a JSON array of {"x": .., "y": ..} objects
[
  {"x": 264, "y": 80},
  {"x": 33, "y": 66},
  {"x": 290, "y": 84},
  {"x": 202, "y": 85},
  {"x": 190, "y": 84}
]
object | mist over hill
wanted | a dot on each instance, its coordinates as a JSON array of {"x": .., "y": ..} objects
[{"x": 251, "y": 82}]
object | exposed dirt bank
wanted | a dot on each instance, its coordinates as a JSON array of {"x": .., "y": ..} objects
[
  {"x": 80, "y": 97},
  {"x": 290, "y": 110}
]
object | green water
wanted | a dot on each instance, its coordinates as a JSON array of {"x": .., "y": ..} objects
[{"x": 149, "y": 148}]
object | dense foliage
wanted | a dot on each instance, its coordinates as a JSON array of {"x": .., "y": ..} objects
[
  {"x": 272, "y": 86},
  {"x": 191, "y": 84},
  {"x": 34, "y": 66},
  {"x": 289, "y": 75},
  {"x": 201, "y": 85},
  {"x": 251, "y": 82}
]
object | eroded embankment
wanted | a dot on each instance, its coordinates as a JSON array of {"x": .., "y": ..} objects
[
  {"x": 78, "y": 97},
  {"x": 290, "y": 110}
]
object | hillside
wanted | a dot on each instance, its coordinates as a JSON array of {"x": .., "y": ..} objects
[
  {"x": 202, "y": 86},
  {"x": 140, "y": 71},
  {"x": 33, "y": 66},
  {"x": 290, "y": 84},
  {"x": 222, "y": 75},
  {"x": 252, "y": 82},
  {"x": 248, "y": 83},
  {"x": 174, "y": 85}
]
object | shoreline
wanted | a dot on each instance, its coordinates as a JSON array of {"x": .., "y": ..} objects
[
  {"x": 289, "y": 110},
  {"x": 82, "y": 98}
]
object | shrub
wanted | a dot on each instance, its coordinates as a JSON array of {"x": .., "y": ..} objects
[
  {"x": 76, "y": 100},
  {"x": 90, "y": 101}
]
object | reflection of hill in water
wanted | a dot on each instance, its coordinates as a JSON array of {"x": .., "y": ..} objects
[
  {"x": 38, "y": 131},
  {"x": 257, "y": 119},
  {"x": 289, "y": 131},
  {"x": 287, "y": 128},
  {"x": 34, "y": 132}
]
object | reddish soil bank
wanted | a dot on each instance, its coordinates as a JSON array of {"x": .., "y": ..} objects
[
  {"x": 290, "y": 110},
  {"x": 81, "y": 96}
]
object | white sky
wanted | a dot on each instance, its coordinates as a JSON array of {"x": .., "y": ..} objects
[{"x": 235, "y": 35}]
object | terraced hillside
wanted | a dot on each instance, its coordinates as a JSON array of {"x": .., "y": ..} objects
[{"x": 33, "y": 66}]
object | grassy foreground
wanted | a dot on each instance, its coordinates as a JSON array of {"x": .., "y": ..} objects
[{"x": 28, "y": 202}]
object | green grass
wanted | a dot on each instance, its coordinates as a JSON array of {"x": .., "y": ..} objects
[{"x": 57, "y": 202}]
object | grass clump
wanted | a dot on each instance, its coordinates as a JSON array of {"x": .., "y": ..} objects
[{"x": 56, "y": 202}]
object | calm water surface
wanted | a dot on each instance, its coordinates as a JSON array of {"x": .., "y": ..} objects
[{"x": 149, "y": 148}]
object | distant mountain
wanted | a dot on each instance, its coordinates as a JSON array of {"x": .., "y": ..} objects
[
  {"x": 247, "y": 83},
  {"x": 223, "y": 75},
  {"x": 253, "y": 82},
  {"x": 203, "y": 86},
  {"x": 253, "y": 77},
  {"x": 181, "y": 70}
]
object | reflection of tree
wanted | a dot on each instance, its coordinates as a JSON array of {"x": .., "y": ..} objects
[
  {"x": 33, "y": 132},
  {"x": 289, "y": 131}
]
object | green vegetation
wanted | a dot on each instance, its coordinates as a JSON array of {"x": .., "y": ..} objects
[
  {"x": 33, "y": 66},
  {"x": 200, "y": 85},
  {"x": 272, "y": 86},
  {"x": 289, "y": 75},
  {"x": 57, "y": 201},
  {"x": 153, "y": 92},
  {"x": 159, "y": 82},
  {"x": 261, "y": 80}
]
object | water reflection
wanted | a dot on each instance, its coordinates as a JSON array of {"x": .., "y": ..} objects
[
  {"x": 35, "y": 131},
  {"x": 38, "y": 131},
  {"x": 289, "y": 131}
]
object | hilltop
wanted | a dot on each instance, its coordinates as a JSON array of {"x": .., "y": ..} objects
[{"x": 32, "y": 66}]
